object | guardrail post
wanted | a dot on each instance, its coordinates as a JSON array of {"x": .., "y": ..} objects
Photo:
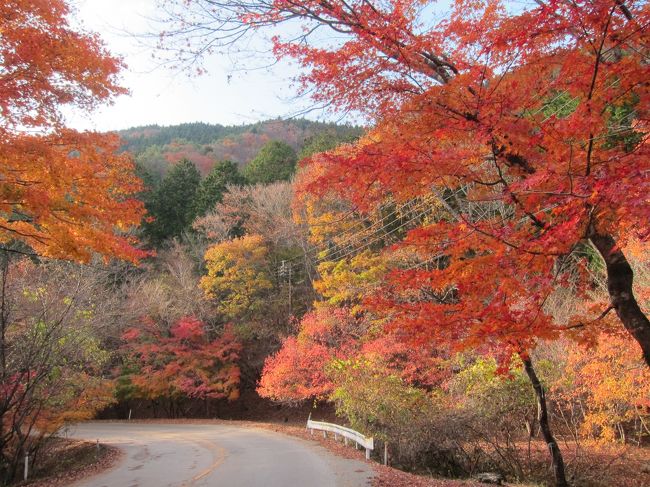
[{"x": 347, "y": 433}]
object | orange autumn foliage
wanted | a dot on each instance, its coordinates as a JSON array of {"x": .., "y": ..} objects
[
  {"x": 613, "y": 383},
  {"x": 298, "y": 370},
  {"x": 90, "y": 396},
  {"x": 530, "y": 133},
  {"x": 64, "y": 193}
]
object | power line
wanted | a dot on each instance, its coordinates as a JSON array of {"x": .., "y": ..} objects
[
  {"x": 378, "y": 234},
  {"x": 323, "y": 248},
  {"x": 348, "y": 248},
  {"x": 350, "y": 242}
]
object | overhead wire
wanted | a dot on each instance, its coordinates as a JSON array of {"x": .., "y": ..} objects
[
  {"x": 378, "y": 236},
  {"x": 322, "y": 248},
  {"x": 345, "y": 251},
  {"x": 350, "y": 242},
  {"x": 349, "y": 248}
]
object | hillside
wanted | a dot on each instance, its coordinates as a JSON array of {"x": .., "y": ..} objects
[{"x": 156, "y": 147}]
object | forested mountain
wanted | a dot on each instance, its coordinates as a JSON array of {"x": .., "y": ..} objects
[
  {"x": 191, "y": 164},
  {"x": 155, "y": 147}
]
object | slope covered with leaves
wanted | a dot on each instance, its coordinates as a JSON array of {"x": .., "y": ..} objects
[{"x": 155, "y": 147}]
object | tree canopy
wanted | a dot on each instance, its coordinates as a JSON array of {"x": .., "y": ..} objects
[
  {"x": 65, "y": 194},
  {"x": 172, "y": 204},
  {"x": 276, "y": 161},
  {"x": 213, "y": 186}
]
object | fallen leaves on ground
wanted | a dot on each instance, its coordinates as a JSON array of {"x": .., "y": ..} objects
[{"x": 70, "y": 460}]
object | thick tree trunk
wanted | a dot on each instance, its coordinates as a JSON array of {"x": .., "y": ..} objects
[
  {"x": 545, "y": 427},
  {"x": 619, "y": 286}
]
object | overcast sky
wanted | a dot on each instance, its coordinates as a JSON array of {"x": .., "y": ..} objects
[{"x": 225, "y": 95}]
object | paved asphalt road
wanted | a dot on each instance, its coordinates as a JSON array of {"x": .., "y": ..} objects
[{"x": 190, "y": 455}]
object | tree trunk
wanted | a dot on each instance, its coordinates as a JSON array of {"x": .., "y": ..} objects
[
  {"x": 542, "y": 418},
  {"x": 619, "y": 286}
]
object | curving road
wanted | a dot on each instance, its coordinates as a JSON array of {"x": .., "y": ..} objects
[{"x": 193, "y": 455}]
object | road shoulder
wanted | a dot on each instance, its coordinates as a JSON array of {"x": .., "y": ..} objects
[{"x": 69, "y": 461}]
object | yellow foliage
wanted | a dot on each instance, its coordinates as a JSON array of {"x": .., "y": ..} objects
[
  {"x": 614, "y": 383},
  {"x": 238, "y": 276},
  {"x": 347, "y": 281}
]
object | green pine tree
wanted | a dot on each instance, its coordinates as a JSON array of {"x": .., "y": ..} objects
[
  {"x": 213, "y": 187},
  {"x": 276, "y": 161},
  {"x": 172, "y": 204}
]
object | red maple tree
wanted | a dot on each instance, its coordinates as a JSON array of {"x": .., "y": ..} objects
[{"x": 184, "y": 361}]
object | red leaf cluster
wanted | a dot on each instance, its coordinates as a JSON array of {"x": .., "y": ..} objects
[{"x": 184, "y": 361}]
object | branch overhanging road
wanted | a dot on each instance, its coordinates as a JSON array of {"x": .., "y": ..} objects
[{"x": 194, "y": 455}]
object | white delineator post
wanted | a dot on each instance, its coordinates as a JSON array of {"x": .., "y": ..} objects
[{"x": 26, "y": 473}]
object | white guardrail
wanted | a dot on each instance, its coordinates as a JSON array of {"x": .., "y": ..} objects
[{"x": 346, "y": 433}]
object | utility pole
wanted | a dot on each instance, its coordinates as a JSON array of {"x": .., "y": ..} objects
[
  {"x": 286, "y": 269},
  {"x": 290, "y": 290}
]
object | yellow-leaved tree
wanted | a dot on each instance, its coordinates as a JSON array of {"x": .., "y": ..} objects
[{"x": 239, "y": 276}]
